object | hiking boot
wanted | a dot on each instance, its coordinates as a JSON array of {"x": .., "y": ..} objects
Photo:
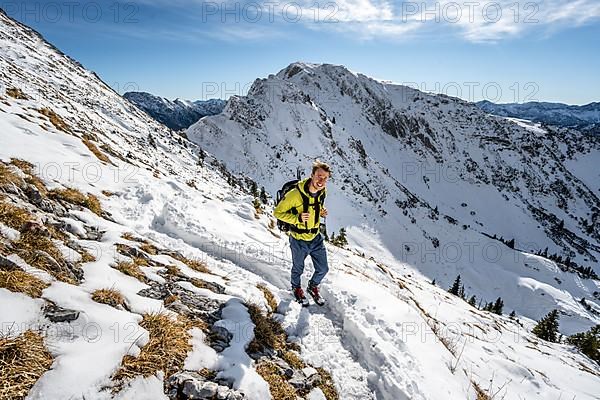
[
  {"x": 300, "y": 297},
  {"x": 314, "y": 293}
]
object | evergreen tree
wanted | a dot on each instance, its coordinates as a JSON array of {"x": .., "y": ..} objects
[
  {"x": 455, "y": 286},
  {"x": 513, "y": 314},
  {"x": 263, "y": 195},
  {"x": 511, "y": 243},
  {"x": 461, "y": 292},
  {"x": 588, "y": 342},
  {"x": 568, "y": 261},
  {"x": 473, "y": 300},
  {"x": 498, "y": 305},
  {"x": 342, "y": 237},
  {"x": 340, "y": 240},
  {"x": 433, "y": 282},
  {"x": 547, "y": 328},
  {"x": 254, "y": 189}
]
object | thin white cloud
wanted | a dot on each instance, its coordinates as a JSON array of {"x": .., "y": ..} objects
[
  {"x": 469, "y": 20},
  {"x": 473, "y": 21}
]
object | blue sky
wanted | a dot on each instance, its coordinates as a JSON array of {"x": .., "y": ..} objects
[{"x": 501, "y": 51}]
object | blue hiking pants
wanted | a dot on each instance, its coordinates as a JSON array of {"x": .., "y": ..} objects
[{"x": 318, "y": 254}]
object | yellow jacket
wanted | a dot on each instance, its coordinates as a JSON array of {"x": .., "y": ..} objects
[{"x": 292, "y": 205}]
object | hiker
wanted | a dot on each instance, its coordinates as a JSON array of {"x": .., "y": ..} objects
[{"x": 300, "y": 210}]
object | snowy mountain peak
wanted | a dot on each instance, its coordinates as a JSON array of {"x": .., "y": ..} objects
[
  {"x": 419, "y": 170},
  {"x": 297, "y": 67}
]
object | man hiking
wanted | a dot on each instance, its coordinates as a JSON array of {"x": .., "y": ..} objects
[{"x": 301, "y": 209}]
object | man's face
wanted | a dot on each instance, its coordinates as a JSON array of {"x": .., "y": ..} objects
[{"x": 319, "y": 178}]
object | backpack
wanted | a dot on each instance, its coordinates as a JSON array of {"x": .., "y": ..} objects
[{"x": 288, "y": 186}]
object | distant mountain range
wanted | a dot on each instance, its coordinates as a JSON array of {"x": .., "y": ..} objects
[
  {"x": 176, "y": 114},
  {"x": 585, "y": 118}
]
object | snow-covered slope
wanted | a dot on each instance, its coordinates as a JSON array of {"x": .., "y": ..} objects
[
  {"x": 585, "y": 118},
  {"x": 386, "y": 332},
  {"x": 176, "y": 114},
  {"x": 432, "y": 178}
]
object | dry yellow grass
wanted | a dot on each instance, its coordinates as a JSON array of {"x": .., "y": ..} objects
[
  {"x": 131, "y": 237},
  {"x": 327, "y": 386},
  {"x": 23, "y": 360},
  {"x": 171, "y": 299},
  {"x": 23, "y": 165},
  {"x": 148, "y": 248},
  {"x": 16, "y": 93},
  {"x": 86, "y": 256},
  {"x": 293, "y": 359},
  {"x": 74, "y": 196},
  {"x": 94, "y": 204},
  {"x": 196, "y": 265},
  {"x": 109, "y": 150},
  {"x": 108, "y": 193},
  {"x": 122, "y": 248},
  {"x": 142, "y": 262},
  {"x": 166, "y": 350},
  {"x": 13, "y": 216},
  {"x": 8, "y": 177},
  {"x": 56, "y": 234},
  {"x": 55, "y": 119},
  {"x": 128, "y": 236},
  {"x": 268, "y": 296},
  {"x": 173, "y": 270},
  {"x": 4, "y": 249},
  {"x": 22, "y": 282},
  {"x": 111, "y": 297},
  {"x": 200, "y": 283},
  {"x": 131, "y": 269},
  {"x": 31, "y": 247},
  {"x": 28, "y": 169},
  {"x": 268, "y": 333},
  {"x": 96, "y": 151},
  {"x": 208, "y": 374},
  {"x": 481, "y": 394},
  {"x": 280, "y": 389}
]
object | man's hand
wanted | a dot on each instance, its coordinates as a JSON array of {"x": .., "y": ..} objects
[
  {"x": 323, "y": 212},
  {"x": 304, "y": 217}
]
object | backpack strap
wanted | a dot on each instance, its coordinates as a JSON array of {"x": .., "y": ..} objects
[
  {"x": 318, "y": 203},
  {"x": 317, "y": 210},
  {"x": 298, "y": 230},
  {"x": 305, "y": 201}
]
